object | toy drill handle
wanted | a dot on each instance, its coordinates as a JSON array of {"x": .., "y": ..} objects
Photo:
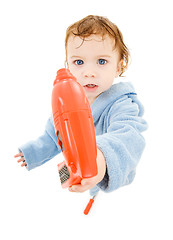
[{"x": 74, "y": 128}]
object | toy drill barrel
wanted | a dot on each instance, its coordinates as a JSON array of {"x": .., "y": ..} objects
[{"x": 74, "y": 125}]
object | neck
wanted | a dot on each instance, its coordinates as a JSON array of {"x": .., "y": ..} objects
[{"x": 91, "y": 100}]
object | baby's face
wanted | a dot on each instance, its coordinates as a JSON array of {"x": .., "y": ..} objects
[{"x": 94, "y": 62}]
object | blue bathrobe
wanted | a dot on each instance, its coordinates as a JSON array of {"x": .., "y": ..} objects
[{"x": 117, "y": 115}]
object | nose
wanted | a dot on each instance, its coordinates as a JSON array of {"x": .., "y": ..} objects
[{"x": 89, "y": 73}]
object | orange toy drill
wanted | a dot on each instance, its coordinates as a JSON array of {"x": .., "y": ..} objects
[{"x": 74, "y": 128}]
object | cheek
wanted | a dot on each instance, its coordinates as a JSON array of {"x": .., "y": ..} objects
[
  {"x": 109, "y": 75},
  {"x": 72, "y": 70},
  {"x": 112, "y": 72},
  {"x": 75, "y": 73},
  {"x": 108, "y": 80},
  {"x": 106, "y": 85}
]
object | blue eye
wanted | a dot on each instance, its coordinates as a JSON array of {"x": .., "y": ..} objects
[
  {"x": 79, "y": 62},
  {"x": 102, "y": 61}
]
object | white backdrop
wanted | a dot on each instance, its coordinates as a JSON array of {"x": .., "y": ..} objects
[{"x": 32, "y": 204}]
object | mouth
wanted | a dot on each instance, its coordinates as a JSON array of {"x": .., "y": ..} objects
[{"x": 90, "y": 87}]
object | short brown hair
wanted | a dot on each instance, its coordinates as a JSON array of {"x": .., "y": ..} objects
[{"x": 99, "y": 26}]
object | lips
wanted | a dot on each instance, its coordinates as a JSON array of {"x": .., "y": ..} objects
[{"x": 91, "y": 87}]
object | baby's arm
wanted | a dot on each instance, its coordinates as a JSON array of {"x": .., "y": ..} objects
[
  {"x": 122, "y": 145},
  {"x": 37, "y": 152}
]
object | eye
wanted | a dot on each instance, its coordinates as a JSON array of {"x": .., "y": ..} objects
[
  {"x": 102, "y": 61},
  {"x": 79, "y": 62}
]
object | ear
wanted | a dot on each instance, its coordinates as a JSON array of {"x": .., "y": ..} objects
[{"x": 119, "y": 67}]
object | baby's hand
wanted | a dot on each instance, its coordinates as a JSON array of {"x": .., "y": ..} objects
[
  {"x": 88, "y": 183},
  {"x": 22, "y": 159}
]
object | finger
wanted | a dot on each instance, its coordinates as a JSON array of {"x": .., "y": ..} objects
[
  {"x": 18, "y": 155},
  {"x": 90, "y": 181},
  {"x": 79, "y": 188},
  {"x": 20, "y": 160},
  {"x": 86, "y": 181},
  {"x": 85, "y": 184},
  {"x": 23, "y": 164}
]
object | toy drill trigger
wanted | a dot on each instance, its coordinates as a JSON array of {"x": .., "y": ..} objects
[{"x": 60, "y": 142}]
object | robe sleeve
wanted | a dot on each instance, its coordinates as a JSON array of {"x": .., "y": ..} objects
[
  {"x": 42, "y": 149},
  {"x": 122, "y": 144}
]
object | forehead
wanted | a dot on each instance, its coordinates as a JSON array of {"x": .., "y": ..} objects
[{"x": 96, "y": 43}]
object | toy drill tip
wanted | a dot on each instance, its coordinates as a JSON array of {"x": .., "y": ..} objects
[{"x": 89, "y": 205}]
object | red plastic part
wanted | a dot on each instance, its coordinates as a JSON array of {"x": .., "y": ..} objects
[
  {"x": 88, "y": 207},
  {"x": 74, "y": 128}
]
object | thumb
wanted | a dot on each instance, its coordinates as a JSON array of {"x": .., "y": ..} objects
[{"x": 85, "y": 181}]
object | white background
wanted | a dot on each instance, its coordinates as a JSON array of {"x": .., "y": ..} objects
[{"x": 32, "y": 204}]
